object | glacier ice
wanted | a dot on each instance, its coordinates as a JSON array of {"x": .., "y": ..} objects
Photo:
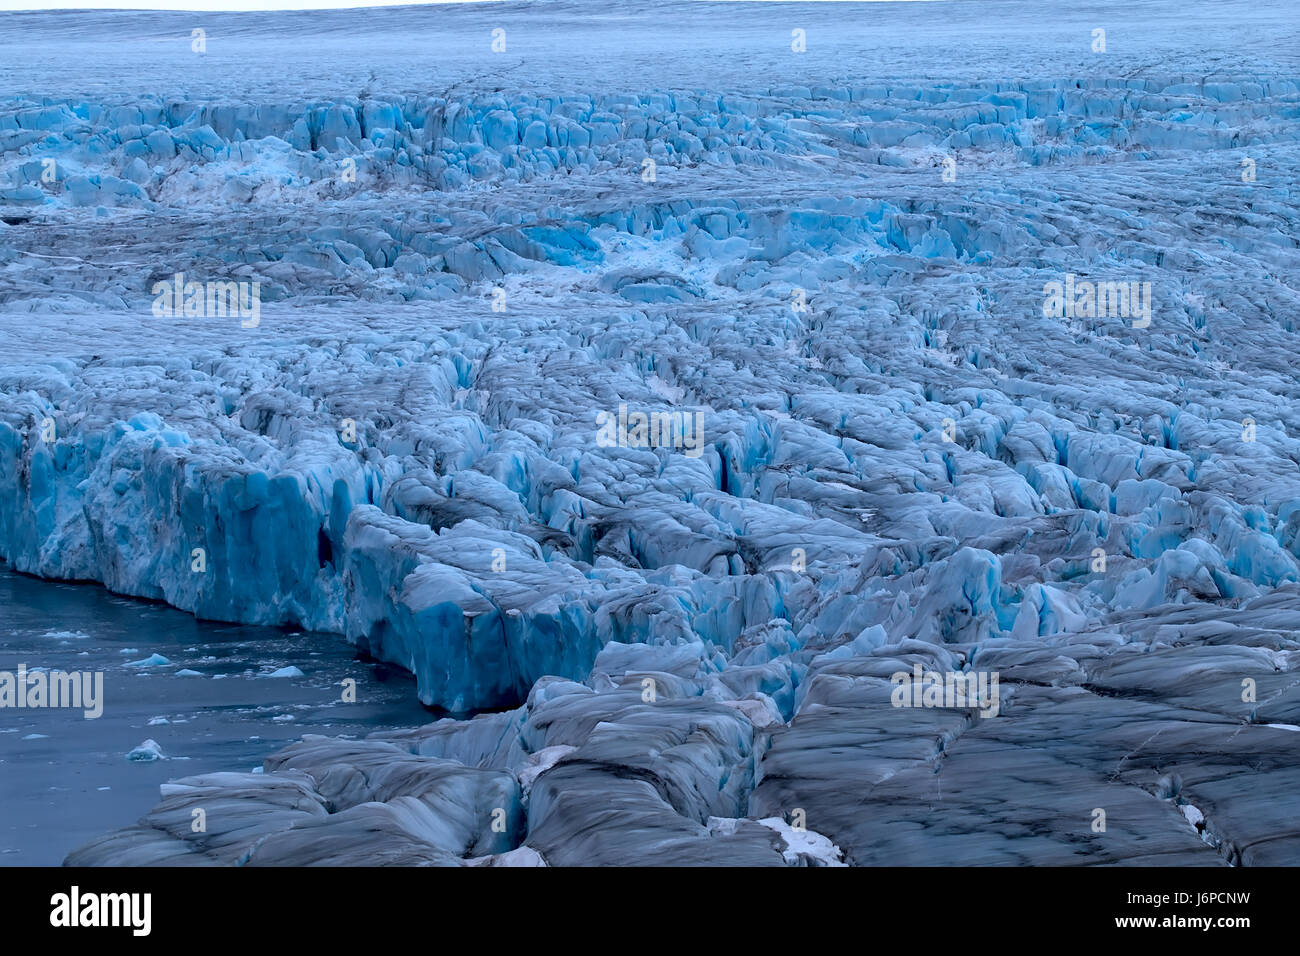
[{"x": 834, "y": 261}]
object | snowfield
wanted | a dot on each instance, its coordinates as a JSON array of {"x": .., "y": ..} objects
[{"x": 669, "y": 382}]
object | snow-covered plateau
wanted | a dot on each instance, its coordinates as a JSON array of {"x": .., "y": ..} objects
[{"x": 688, "y": 391}]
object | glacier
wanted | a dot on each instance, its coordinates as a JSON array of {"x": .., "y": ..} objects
[{"x": 836, "y": 261}]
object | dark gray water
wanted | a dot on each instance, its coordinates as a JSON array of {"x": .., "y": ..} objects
[{"x": 65, "y": 779}]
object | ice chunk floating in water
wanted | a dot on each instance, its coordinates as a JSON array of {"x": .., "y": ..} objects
[{"x": 149, "y": 750}]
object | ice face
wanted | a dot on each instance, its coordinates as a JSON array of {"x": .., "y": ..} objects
[{"x": 636, "y": 364}]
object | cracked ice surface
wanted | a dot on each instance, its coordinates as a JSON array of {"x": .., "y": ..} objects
[{"x": 919, "y": 469}]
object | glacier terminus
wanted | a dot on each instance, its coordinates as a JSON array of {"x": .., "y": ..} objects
[{"x": 781, "y": 434}]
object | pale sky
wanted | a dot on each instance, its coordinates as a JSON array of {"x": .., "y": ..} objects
[
  {"x": 249, "y": 5},
  {"x": 216, "y": 5}
]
